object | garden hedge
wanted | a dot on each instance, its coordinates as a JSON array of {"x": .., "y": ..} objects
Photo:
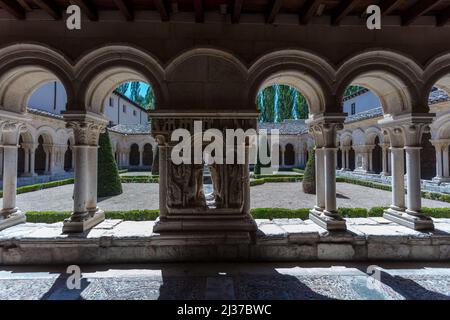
[
  {"x": 108, "y": 175},
  {"x": 257, "y": 213}
]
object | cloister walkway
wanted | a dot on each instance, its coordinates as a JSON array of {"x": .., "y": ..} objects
[
  {"x": 270, "y": 195},
  {"x": 319, "y": 281}
]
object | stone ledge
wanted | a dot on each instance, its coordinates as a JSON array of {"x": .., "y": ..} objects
[{"x": 117, "y": 241}]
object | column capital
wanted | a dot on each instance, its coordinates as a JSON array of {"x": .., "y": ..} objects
[
  {"x": 324, "y": 128},
  {"x": 407, "y": 129},
  {"x": 86, "y": 127}
]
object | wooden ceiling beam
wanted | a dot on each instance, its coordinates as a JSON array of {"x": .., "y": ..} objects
[
  {"x": 199, "y": 11},
  {"x": 237, "y": 9},
  {"x": 88, "y": 7},
  {"x": 274, "y": 9},
  {"x": 344, "y": 8},
  {"x": 443, "y": 17},
  {"x": 50, "y": 7},
  {"x": 308, "y": 10},
  {"x": 162, "y": 9},
  {"x": 387, "y": 6},
  {"x": 13, "y": 8},
  {"x": 417, "y": 10},
  {"x": 125, "y": 8}
]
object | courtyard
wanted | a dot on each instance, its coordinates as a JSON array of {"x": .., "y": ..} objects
[{"x": 287, "y": 195}]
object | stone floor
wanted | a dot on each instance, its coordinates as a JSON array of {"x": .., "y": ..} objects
[
  {"x": 224, "y": 281},
  {"x": 279, "y": 195}
]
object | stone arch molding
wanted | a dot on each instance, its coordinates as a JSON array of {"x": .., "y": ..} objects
[
  {"x": 399, "y": 81},
  {"x": 310, "y": 74},
  {"x": 394, "y": 78}
]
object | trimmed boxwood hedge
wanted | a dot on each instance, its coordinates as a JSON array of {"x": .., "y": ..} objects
[
  {"x": 41, "y": 186},
  {"x": 257, "y": 213},
  {"x": 425, "y": 194},
  {"x": 139, "y": 179},
  {"x": 108, "y": 178}
]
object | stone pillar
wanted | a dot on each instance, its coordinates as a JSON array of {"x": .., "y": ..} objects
[
  {"x": 87, "y": 128},
  {"x": 320, "y": 179},
  {"x": 445, "y": 160},
  {"x": 26, "y": 169},
  {"x": 10, "y": 130},
  {"x": 407, "y": 130},
  {"x": 370, "y": 158},
  {"x": 1, "y": 163},
  {"x": 347, "y": 158},
  {"x": 439, "y": 161},
  {"x": 32, "y": 160},
  {"x": 398, "y": 179},
  {"x": 141, "y": 157},
  {"x": 343, "y": 158},
  {"x": 384, "y": 160},
  {"x": 324, "y": 129}
]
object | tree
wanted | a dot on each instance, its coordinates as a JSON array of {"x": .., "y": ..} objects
[
  {"x": 309, "y": 178},
  {"x": 135, "y": 91},
  {"x": 123, "y": 88},
  {"x": 108, "y": 175},
  {"x": 149, "y": 100}
]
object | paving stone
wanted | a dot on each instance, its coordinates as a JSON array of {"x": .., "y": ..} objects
[{"x": 330, "y": 251}]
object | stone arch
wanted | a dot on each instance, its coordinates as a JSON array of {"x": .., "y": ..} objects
[
  {"x": 24, "y": 67},
  {"x": 203, "y": 77},
  {"x": 134, "y": 155},
  {"x": 148, "y": 154},
  {"x": 101, "y": 71},
  {"x": 437, "y": 73},
  {"x": 372, "y": 133},
  {"x": 393, "y": 77},
  {"x": 440, "y": 128},
  {"x": 289, "y": 154},
  {"x": 307, "y": 72}
]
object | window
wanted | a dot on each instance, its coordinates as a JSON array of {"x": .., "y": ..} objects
[
  {"x": 111, "y": 101},
  {"x": 124, "y": 109},
  {"x": 353, "y": 108},
  {"x": 134, "y": 113}
]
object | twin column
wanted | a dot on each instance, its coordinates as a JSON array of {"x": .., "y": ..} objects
[{"x": 87, "y": 129}]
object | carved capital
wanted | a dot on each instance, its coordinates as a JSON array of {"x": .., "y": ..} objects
[
  {"x": 325, "y": 133},
  {"x": 10, "y": 131},
  {"x": 86, "y": 133}
]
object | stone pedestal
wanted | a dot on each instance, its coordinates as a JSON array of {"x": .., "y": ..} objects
[{"x": 184, "y": 208}]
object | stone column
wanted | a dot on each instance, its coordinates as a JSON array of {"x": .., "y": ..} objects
[
  {"x": 370, "y": 158},
  {"x": 407, "y": 130},
  {"x": 343, "y": 152},
  {"x": 439, "y": 167},
  {"x": 324, "y": 129},
  {"x": 141, "y": 157},
  {"x": 1, "y": 163},
  {"x": 87, "y": 128},
  {"x": 347, "y": 158},
  {"x": 384, "y": 162},
  {"x": 32, "y": 160},
  {"x": 10, "y": 215},
  {"x": 445, "y": 158}
]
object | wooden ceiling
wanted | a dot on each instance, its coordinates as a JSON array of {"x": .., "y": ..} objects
[{"x": 337, "y": 10}]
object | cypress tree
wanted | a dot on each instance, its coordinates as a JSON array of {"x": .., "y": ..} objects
[
  {"x": 108, "y": 175},
  {"x": 309, "y": 178}
]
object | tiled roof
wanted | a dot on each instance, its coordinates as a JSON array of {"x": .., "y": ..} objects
[
  {"x": 437, "y": 95},
  {"x": 131, "y": 128},
  {"x": 287, "y": 127},
  {"x": 369, "y": 114},
  {"x": 44, "y": 113}
]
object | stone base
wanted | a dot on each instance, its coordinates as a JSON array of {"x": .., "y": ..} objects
[
  {"x": 404, "y": 219},
  {"x": 81, "y": 226},
  {"x": 206, "y": 223},
  {"x": 328, "y": 223},
  {"x": 12, "y": 219}
]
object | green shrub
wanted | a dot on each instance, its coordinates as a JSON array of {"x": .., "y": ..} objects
[
  {"x": 53, "y": 216},
  {"x": 41, "y": 186},
  {"x": 309, "y": 178},
  {"x": 108, "y": 179},
  {"x": 298, "y": 170},
  {"x": 377, "y": 211},
  {"x": 123, "y": 171},
  {"x": 353, "y": 212},
  {"x": 139, "y": 179},
  {"x": 274, "y": 213}
]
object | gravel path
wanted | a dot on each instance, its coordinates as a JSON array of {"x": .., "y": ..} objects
[{"x": 278, "y": 195}]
